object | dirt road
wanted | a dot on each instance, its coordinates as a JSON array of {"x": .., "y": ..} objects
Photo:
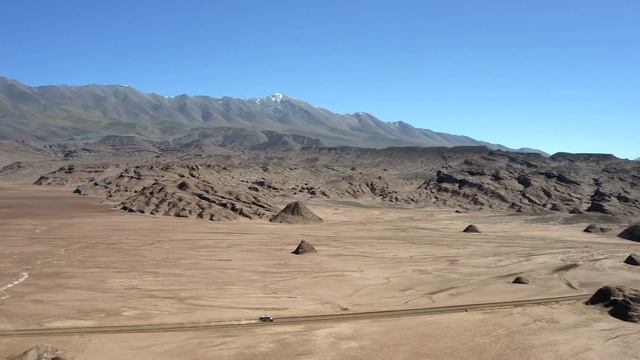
[{"x": 152, "y": 328}]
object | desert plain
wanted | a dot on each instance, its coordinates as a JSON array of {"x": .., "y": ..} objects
[{"x": 71, "y": 261}]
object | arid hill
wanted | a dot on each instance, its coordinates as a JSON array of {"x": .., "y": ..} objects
[{"x": 251, "y": 184}]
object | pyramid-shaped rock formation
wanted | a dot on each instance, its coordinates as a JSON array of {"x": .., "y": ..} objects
[
  {"x": 471, "y": 229},
  {"x": 520, "y": 280},
  {"x": 304, "y": 248},
  {"x": 632, "y": 259},
  {"x": 296, "y": 213},
  {"x": 631, "y": 233}
]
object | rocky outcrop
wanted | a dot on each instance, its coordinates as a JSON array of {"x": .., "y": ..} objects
[
  {"x": 246, "y": 185},
  {"x": 623, "y": 302},
  {"x": 595, "y": 229},
  {"x": 40, "y": 352}
]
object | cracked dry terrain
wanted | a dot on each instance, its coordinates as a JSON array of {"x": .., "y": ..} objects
[{"x": 90, "y": 264}]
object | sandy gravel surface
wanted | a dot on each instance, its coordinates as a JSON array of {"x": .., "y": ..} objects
[{"x": 90, "y": 265}]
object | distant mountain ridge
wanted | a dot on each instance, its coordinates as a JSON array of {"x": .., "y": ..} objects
[{"x": 59, "y": 113}]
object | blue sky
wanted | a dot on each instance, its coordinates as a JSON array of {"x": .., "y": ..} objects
[{"x": 559, "y": 75}]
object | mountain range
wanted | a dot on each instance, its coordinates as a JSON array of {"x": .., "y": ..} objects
[{"x": 64, "y": 113}]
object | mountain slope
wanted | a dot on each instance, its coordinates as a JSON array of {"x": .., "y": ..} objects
[{"x": 62, "y": 113}]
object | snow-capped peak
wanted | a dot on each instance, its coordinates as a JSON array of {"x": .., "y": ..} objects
[{"x": 277, "y": 97}]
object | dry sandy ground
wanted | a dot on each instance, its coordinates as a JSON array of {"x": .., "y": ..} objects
[{"x": 90, "y": 265}]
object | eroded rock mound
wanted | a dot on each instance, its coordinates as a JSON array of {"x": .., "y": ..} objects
[
  {"x": 631, "y": 233},
  {"x": 296, "y": 213},
  {"x": 623, "y": 301},
  {"x": 77, "y": 174},
  {"x": 203, "y": 191},
  {"x": 195, "y": 198},
  {"x": 595, "y": 229},
  {"x": 529, "y": 183},
  {"x": 471, "y": 229},
  {"x": 304, "y": 248},
  {"x": 470, "y": 178},
  {"x": 40, "y": 352},
  {"x": 633, "y": 259}
]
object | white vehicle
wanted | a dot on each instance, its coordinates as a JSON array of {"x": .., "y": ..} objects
[{"x": 266, "y": 318}]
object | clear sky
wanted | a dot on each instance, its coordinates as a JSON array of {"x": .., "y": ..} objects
[{"x": 558, "y": 75}]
